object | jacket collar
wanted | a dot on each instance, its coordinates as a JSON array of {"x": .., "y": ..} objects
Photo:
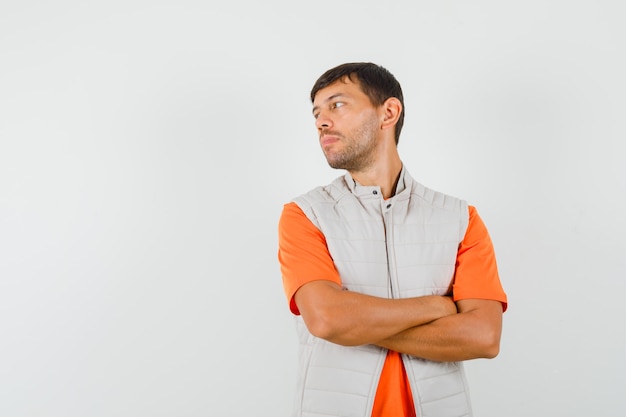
[{"x": 373, "y": 191}]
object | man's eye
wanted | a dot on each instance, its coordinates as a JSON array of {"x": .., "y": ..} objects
[{"x": 337, "y": 104}]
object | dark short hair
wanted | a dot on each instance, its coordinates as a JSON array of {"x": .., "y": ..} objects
[{"x": 375, "y": 81}]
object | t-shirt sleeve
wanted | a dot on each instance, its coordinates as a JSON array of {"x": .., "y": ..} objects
[
  {"x": 476, "y": 274},
  {"x": 302, "y": 253}
]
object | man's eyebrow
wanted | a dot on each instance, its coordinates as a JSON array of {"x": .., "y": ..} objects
[{"x": 334, "y": 96}]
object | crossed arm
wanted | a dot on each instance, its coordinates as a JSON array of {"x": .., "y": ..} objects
[{"x": 429, "y": 327}]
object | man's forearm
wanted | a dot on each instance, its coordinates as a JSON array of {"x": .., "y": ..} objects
[
  {"x": 473, "y": 333},
  {"x": 350, "y": 319}
]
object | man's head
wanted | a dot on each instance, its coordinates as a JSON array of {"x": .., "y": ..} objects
[{"x": 375, "y": 81}]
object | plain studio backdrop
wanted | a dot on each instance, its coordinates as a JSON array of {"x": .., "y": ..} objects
[{"x": 147, "y": 149}]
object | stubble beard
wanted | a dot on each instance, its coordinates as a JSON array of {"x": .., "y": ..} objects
[{"x": 360, "y": 152}]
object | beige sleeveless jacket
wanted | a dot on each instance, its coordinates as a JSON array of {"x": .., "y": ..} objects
[{"x": 405, "y": 246}]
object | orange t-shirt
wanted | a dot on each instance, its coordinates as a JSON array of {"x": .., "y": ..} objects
[{"x": 304, "y": 257}]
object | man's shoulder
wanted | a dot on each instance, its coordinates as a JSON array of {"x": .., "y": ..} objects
[
  {"x": 433, "y": 196},
  {"x": 423, "y": 195},
  {"x": 323, "y": 193}
]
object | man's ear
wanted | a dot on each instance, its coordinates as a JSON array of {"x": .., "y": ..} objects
[{"x": 392, "y": 109}]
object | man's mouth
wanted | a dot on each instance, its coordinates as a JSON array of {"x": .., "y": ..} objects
[{"x": 327, "y": 139}]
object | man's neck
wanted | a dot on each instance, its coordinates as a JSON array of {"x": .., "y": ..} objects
[{"x": 385, "y": 175}]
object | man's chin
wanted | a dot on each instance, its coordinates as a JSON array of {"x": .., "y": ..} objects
[
  {"x": 336, "y": 165},
  {"x": 333, "y": 163}
]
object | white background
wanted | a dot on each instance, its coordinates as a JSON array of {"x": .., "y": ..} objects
[{"x": 147, "y": 148}]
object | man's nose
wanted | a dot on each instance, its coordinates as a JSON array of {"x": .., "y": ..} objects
[{"x": 323, "y": 121}]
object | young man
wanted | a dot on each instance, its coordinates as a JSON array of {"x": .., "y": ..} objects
[{"x": 392, "y": 283}]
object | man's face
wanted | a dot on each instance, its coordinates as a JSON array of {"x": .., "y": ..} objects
[{"x": 348, "y": 125}]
